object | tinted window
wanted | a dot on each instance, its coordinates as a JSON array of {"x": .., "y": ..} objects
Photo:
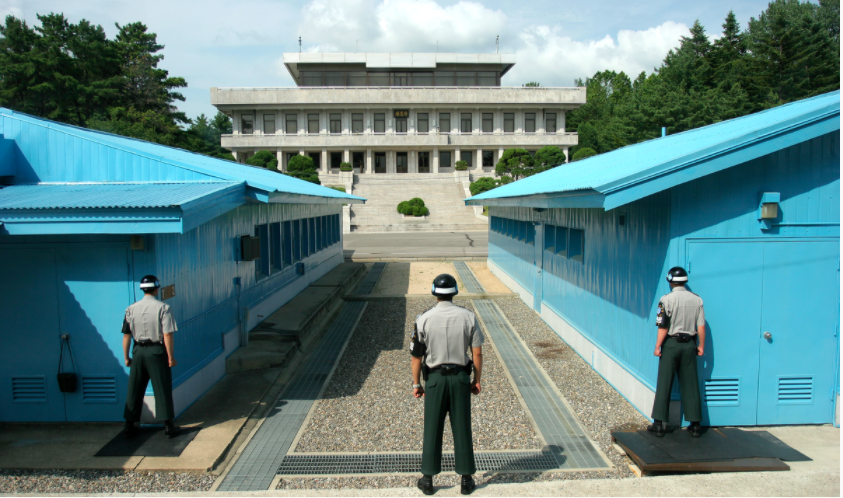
[
  {"x": 487, "y": 122},
  {"x": 292, "y": 124},
  {"x": 530, "y": 122},
  {"x": 509, "y": 122},
  {"x": 488, "y": 158},
  {"x": 247, "y": 126},
  {"x": 380, "y": 123},
  {"x": 422, "y": 79},
  {"x": 576, "y": 243},
  {"x": 550, "y": 123},
  {"x": 444, "y": 122},
  {"x": 549, "y": 238},
  {"x": 423, "y": 122},
  {"x": 445, "y": 159},
  {"x": 336, "y": 123},
  {"x": 465, "y": 123},
  {"x": 313, "y": 123},
  {"x": 444, "y": 78},
  {"x": 357, "y": 123},
  {"x": 269, "y": 124},
  {"x": 562, "y": 241}
]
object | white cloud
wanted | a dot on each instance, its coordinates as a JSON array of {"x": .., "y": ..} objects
[
  {"x": 551, "y": 58},
  {"x": 399, "y": 26}
]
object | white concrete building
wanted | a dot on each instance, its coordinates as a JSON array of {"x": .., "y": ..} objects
[{"x": 396, "y": 118}]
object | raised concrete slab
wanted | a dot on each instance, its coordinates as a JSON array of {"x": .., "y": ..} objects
[{"x": 344, "y": 276}]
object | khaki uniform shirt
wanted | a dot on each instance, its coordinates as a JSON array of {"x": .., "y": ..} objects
[
  {"x": 444, "y": 333},
  {"x": 680, "y": 312},
  {"x": 149, "y": 319}
]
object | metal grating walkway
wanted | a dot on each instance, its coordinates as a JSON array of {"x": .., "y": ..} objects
[
  {"x": 395, "y": 463},
  {"x": 367, "y": 285},
  {"x": 260, "y": 460},
  {"x": 469, "y": 280},
  {"x": 558, "y": 426}
]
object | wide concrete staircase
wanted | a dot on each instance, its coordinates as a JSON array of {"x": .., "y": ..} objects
[{"x": 441, "y": 194}]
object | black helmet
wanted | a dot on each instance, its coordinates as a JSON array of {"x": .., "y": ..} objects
[
  {"x": 150, "y": 282},
  {"x": 444, "y": 285},
  {"x": 677, "y": 275}
]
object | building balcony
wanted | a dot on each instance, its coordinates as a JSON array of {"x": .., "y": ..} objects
[
  {"x": 227, "y": 99},
  {"x": 390, "y": 140}
]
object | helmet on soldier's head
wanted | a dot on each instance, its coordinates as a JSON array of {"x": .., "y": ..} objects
[
  {"x": 149, "y": 282},
  {"x": 444, "y": 285},
  {"x": 677, "y": 275}
]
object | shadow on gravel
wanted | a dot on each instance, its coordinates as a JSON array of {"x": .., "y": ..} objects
[{"x": 381, "y": 328}]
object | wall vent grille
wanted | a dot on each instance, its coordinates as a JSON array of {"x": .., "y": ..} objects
[
  {"x": 102, "y": 389},
  {"x": 29, "y": 389},
  {"x": 722, "y": 392},
  {"x": 795, "y": 390}
]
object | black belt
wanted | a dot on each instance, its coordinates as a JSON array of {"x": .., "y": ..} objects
[
  {"x": 147, "y": 343},
  {"x": 450, "y": 369},
  {"x": 682, "y": 337}
]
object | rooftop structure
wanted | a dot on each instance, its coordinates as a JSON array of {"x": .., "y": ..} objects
[{"x": 396, "y": 114}]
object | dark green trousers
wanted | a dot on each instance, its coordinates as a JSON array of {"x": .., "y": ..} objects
[
  {"x": 150, "y": 363},
  {"x": 678, "y": 358},
  {"x": 447, "y": 394}
]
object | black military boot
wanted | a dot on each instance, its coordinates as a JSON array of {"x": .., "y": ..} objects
[
  {"x": 425, "y": 484},
  {"x": 130, "y": 431},
  {"x": 170, "y": 429},
  {"x": 695, "y": 429},
  {"x": 657, "y": 428},
  {"x": 467, "y": 485}
]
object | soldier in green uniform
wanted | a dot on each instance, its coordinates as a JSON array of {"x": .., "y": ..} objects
[
  {"x": 440, "y": 344},
  {"x": 151, "y": 325},
  {"x": 681, "y": 321}
]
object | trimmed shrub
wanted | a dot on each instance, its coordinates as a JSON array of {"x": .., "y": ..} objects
[
  {"x": 413, "y": 207},
  {"x": 461, "y": 166},
  {"x": 264, "y": 159},
  {"x": 345, "y": 166},
  {"x": 483, "y": 184},
  {"x": 302, "y": 167},
  {"x": 583, "y": 153}
]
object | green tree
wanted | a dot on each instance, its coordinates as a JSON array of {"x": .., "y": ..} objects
[
  {"x": 583, "y": 153},
  {"x": 264, "y": 159},
  {"x": 302, "y": 167},
  {"x": 532, "y": 84},
  {"x": 483, "y": 184},
  {"x": 548, "y": 157},
  {"x": 515, "y": 164}
]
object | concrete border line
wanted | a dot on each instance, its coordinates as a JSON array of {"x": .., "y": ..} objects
[
  {"x": 274, "y": 483},
  {"x": 554, "y": 387},
  {"x": 448, "y": 473},
  {"x": 463, "y": 296},
  {"x": 511, "y": 379},
  {"x": 330, "y": 376}
]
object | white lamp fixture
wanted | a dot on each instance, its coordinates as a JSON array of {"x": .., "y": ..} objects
[{"x": 768, "y": 209}]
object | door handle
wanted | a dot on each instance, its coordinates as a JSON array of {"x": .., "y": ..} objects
[{"x": 768, "y": 335}]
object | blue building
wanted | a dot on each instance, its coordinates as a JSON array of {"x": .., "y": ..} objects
[
  {"x": 750, "y": 207},
  {"x": 85, "y": 215}
]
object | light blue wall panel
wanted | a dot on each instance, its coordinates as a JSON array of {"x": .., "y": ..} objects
[
  {"x": 203, "y": 264},
  {"x": 724, "y": 204}
]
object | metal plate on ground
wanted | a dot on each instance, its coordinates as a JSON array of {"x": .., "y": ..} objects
[
  {"x": 410, "y": 463},
  {"x": 469, "y": 280},
  {"x": 151, "y": 442},
  {"x": 677, "y": 450},
  {"x": 367, "y": 285}
]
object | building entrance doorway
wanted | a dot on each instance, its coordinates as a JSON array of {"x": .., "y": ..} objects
[
  {"x": 380, "y": 162},
  {"x": 357, "y": 161},
  {"x": 401, "y": 162},
  {"x": 424, "y": 162},
  {"x": 317, "y": 160}
]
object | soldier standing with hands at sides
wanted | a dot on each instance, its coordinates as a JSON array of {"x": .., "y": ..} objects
[
  {"x": 151, "y": 325},
  {"x": 439, "y": 347},
  {"x": 681, "y": 320}
]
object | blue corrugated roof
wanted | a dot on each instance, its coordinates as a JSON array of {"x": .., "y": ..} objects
[
  {"x": 256, "y": 177},
  {"x": 107, "y": 195},
  {"x": 634, "y": 164}
]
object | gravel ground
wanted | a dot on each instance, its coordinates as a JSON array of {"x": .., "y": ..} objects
[
  {"x": 598, "y": 406},
  {"x": 101, "y": 481},
  {"x": 368, "y": 405}
]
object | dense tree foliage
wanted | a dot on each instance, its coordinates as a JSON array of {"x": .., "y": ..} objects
[
  {"x": 264, "y": 159},
  {"x": 790, "y": 52},
  {"x": 483, "y": 184},
  {"x": 73, "y": 73},
  {"x": 302, "y": 167}
]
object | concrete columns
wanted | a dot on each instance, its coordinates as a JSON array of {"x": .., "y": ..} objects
[
  {"x": 369, "y": 161},
  {"x": 324, "y": 166},
  {"x": 235, "y": 124},
  {"x": 235, "y": 154},
  {"x": 346, "y": 156},
  {"x": 565, "y": 151},
  {"x": 479, "y": 160},
  {"x": 500, "y": 155},
  {"x": 434, "y": 161},
  {"x": 457, "y": 156},
  {"x": 560, "y": 121},
  {"x": 282, "y": 164}
]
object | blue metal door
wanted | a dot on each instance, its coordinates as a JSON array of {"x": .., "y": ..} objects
[
  {"x": 94, "y": 289},
  {"x": 29, "y": 330},
  {"x": 798, "y": 343},
  {"x": 538, "y": 245},
  {"x": 728, "y": 276}
]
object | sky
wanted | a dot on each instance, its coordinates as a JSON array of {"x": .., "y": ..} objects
[{"x": 216, "y": 43}]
